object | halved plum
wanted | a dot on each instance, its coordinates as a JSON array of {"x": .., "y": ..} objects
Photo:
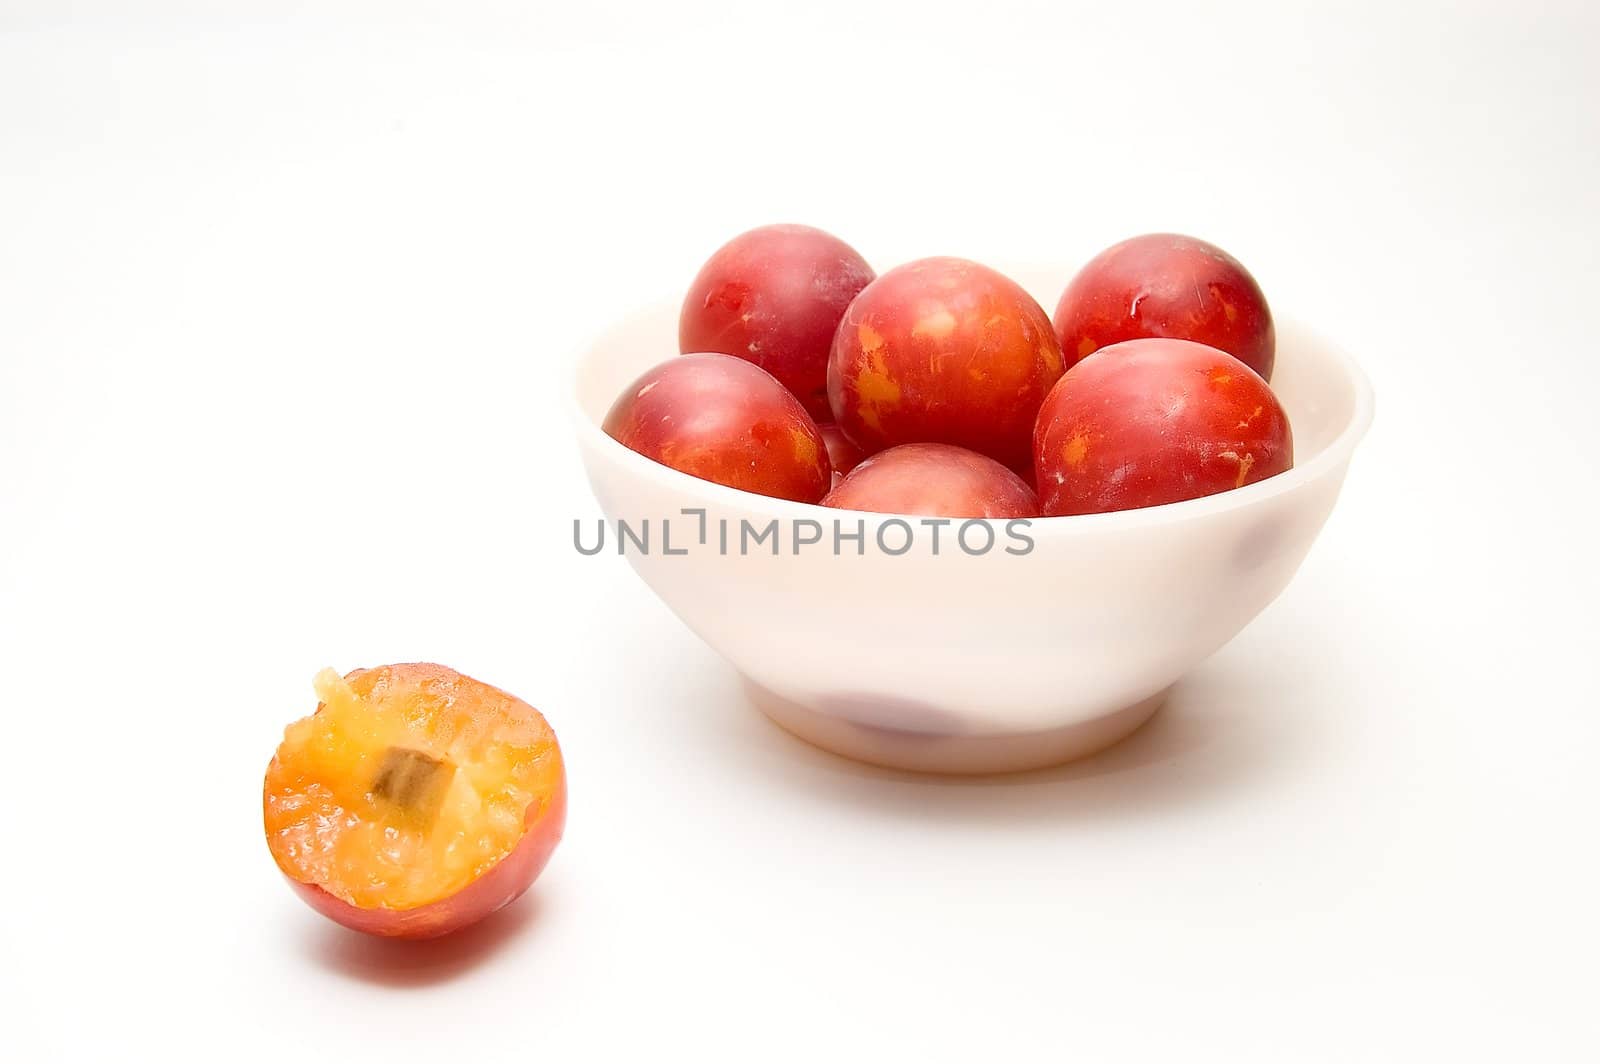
[{"x": 415, "y": 800}]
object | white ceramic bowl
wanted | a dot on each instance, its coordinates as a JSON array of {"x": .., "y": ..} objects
[{"x": 939, "y": 660}]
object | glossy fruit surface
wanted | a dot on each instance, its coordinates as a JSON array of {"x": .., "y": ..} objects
[
  {"x": 1154, "y": 421},
  {"x": 774, "y": 296},
  {"x": 722, "y": 419},
  {"x": 414, "y": 801},
  {"x": 1168, "y": 285},
  {"x": 943, "y": 350},
  {"x": 843, "y": 454},
  {"x": 934, "y": 480}
]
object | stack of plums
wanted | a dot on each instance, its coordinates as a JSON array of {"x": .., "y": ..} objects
[{"x": 941, "y": 388}]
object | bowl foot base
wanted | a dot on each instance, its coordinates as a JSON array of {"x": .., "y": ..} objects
[{"x": 952, "y": 752}]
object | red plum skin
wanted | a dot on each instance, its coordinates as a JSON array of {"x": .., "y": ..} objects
[
  {"x": 943, "y": 350},
  {"x": 1153, "y": 421},
  {"x": 934, "y": 480},
  {"x": 1165, "y": 284},
  {"x": 774, "y": 296},
  {"x": 720, "y": 418}
]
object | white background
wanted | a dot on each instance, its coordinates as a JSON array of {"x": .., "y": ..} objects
[{"x": 287, "y": 294}]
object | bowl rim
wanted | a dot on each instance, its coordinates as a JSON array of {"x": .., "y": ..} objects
[{"x": 1331, "y": 457}]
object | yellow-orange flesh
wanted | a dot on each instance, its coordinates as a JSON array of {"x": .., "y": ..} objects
[{"x": 407, "y": 784}]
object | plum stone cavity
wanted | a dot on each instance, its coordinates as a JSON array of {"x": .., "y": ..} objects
[{"x": 413, "y": 781}]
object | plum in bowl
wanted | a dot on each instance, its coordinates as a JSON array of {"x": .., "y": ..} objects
[{"x": 972, "y": 646}]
